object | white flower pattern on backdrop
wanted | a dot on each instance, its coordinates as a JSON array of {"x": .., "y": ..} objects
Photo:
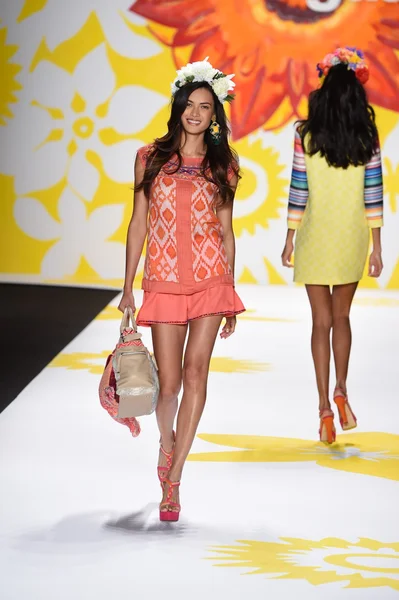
[
  {"x": 58, "y": 21},
  {"x": 75, "y": 235},
  {"x": 64, "y": 116}
]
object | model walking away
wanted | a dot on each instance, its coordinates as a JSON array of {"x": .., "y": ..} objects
[
  {"x": 336, "y": 195},
  {"x": 183, "y": 203}
]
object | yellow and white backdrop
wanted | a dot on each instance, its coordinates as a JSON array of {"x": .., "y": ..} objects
[{"x": 84, "y": 84}]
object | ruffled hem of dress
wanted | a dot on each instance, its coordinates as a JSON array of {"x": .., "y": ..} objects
[{"x": 178, "y": 309}]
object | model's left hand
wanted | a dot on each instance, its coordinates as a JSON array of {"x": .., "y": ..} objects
[
  {"x": 375, "y": 264},
  {"x": 229, "y": 328},
  {"x": 287, "y": 254}
]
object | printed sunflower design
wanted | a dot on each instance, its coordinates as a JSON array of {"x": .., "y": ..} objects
[
  {"x": 93, "y": 362},
  {"x": 8, "y": 72},
  {"x": 366, "y": 563},
  {"x": 261, "y": 192},
  {"x": 373, "y": 454},
  {"x": 273, "y": 47}
]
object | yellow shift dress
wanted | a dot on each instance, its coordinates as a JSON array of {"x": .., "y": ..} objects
[{"x": 332, "y": 210}]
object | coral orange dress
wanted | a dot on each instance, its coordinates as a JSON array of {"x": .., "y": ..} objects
[{"x": 186, "y": 274}]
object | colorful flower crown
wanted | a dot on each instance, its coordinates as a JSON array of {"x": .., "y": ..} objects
[
  {"x": 199, "y": 71},
  {"x": 353, "y": 57}
]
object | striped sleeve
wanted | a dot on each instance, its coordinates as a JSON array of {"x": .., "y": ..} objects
[
  {"x": 299, "y": 191},
  {"x": 373, "y": 191}
]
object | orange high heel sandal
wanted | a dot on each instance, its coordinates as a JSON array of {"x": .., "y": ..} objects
[
  {"x": 327, "y": 429},
  {"x": 163, "y": 471},
  {"x": 347, "y": 418},
  {"x": 165, "y": 509}
]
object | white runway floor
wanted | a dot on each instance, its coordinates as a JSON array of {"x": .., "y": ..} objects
[{"x": 268, "y": 512}]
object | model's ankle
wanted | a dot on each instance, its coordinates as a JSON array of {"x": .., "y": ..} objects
[
  {"x": 167, "y": 442},
  {"x": 341, "y": 385},
  {"x": 324, "y": 404},
  {"x": 175, "y": 474}
]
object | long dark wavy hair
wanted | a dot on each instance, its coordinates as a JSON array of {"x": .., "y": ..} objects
[
  {"x": 341, "y": 122},
  {"x": 218, "y": 158}
]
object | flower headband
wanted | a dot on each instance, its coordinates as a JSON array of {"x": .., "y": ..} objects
[
  {"x": 353, "y": 57},
  {"x": 199, "y": 71}
]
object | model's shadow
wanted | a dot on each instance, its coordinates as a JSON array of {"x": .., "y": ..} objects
[
  {"x": 96, "y": 531},
  {"x": 140, "y": 522}
]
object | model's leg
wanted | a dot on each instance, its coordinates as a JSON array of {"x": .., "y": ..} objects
[
  {"x": 168, "y": 342},
  {"x": 321, "y": 304},
  {"x": 342, "y": 297},
  {"x": 201, "y": 340}
]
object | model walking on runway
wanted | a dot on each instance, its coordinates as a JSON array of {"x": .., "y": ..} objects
[
  {"x": 183, "y": 203},
  {"x": 336, "y": 196}
]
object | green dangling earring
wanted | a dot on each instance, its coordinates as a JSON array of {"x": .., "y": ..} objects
[{"x": 214, "y": 129}]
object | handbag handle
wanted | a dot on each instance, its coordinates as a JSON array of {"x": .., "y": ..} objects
[{"x": 128, "y": 316}]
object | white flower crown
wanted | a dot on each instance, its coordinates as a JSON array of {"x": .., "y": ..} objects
[{"x": 202, "y": 70}]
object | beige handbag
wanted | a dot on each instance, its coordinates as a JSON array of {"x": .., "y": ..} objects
[{"x": 136, "y": 375}]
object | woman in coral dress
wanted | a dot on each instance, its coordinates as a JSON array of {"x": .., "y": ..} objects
[
  {"x": 336, "y": 197},
  {"x": 184, "y": 189}
]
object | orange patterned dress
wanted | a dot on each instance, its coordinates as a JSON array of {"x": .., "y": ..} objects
[{"x": 186, "y": 274}]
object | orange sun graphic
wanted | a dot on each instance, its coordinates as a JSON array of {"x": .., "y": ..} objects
[{"x": 273, "y": 47}]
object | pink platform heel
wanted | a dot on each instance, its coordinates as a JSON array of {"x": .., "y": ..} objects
[
  {"x": 347, "y": 418},
  {"x": 169, "y": 510},
  {"x": 327, "y": 429},
  {"x": 163, "y": 471}
]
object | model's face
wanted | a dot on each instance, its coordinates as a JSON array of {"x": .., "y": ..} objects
[{"x": 199, "y": 112}]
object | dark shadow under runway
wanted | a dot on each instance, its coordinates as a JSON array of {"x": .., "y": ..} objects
[{"x": 36, "y": 323}]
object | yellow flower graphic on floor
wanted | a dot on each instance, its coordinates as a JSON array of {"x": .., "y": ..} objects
[
  {"x": 375, "y": 454},
  {"x": 363, "y": 564},
  {"x": 94, "y": 363}
]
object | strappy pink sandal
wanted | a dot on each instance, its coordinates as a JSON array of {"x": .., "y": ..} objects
[
  {"x": 168, "y": 510},
  {"x": 163, "y": 471},
  {"x": 327, "y": 429},
  {"x": 347, "y": 418}
]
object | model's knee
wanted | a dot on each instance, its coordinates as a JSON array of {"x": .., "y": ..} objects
[
  {"x": 341, "y": 320},
  {"x": 195, "y": 374},
  {"x": 323, "y": 321},
  {"x": 169, "y": 390}
]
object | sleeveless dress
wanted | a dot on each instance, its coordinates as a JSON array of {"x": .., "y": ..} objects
[
  {"x": 186, "y": 271},
  {"x": 333, "y": 210}
]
